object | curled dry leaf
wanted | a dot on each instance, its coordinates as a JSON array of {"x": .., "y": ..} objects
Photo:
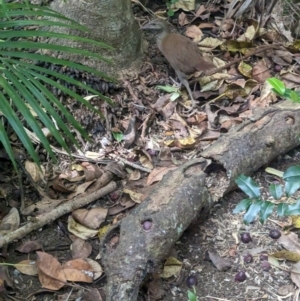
[
  {"x": 80, "y": 248},
  {"x": 79, "y": 230},
  {"x": 35, "y": 173},
  {"x": 172, "y": 267},
  {"x": 98, "y": 271},
  {"x": 92, "y": 218},
  {"x": 10, "y": 222},
  {"x": 50, "y": 271},
  {"x": 135, "y": 196},
  {"x": 78, "y": 270}
]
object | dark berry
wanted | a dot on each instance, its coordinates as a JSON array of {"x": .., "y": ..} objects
[
  {"x": 246, "y": 237},
  {"x": 191, "y": 281},
  {"x": 275, "y": 234},
  {"x": 240, "y": 276},
  {"x": 151, "y": 152},
  {"x": 147, "y": 225},
  {"x": 248, "y": 258},
  {"x": 265, "y": 265},
  {"x": 277, "y": 68},
  {"x": 114, "y": 196},
  {"x": 263, "y": 256}
]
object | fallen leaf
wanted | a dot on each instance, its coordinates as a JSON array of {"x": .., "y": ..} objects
[{"x": 50, "y": 271}]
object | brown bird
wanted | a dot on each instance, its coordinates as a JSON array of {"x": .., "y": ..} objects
[{"x": 182, "y": 54}]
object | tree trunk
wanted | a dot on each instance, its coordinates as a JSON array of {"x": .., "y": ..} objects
[{"x": 109, "y": 21}]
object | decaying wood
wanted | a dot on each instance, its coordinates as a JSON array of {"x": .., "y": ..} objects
[{"x": 188, "y": 190}]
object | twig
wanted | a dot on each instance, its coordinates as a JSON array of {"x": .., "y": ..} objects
[
  {"x": 61, "y": 210},
  {"x": 260, "y": 49},
  {"x": 131, "y": 164}
]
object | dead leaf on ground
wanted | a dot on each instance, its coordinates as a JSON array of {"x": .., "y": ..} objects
[
  {"x": 220, "y": 263},
  {"x": 81, "y": 249},
  {"x": 158, "y": 173},
  {"x": 29, "y": 246},
  {"x": 91, "y": 218},
  {"x": 50, "y": 272},
  {"x": 27, "y": 267},
  {"x": 172, "y": 267},
  {"x": 78, "y": 270},
  {"x": 80, "y": 230},
  {"x": 290, "y": 242},
  {"x": 10, "y": 222}
]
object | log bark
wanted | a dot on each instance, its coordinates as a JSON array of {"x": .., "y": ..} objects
[{"x": 188, "y": 191}]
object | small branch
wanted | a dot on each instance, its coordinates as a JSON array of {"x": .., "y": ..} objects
[{"x": 61, "y": 210}]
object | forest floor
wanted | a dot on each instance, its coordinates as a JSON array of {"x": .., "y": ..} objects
[{"x": 207, "y": 247}]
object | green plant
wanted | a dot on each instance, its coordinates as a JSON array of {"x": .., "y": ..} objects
[
  {"x": 169, "y": 7},
  {"x": 23, "y": 91},
  {"x": 175, "y": 92},
  {"x": 192, "y": 295},
  {"x": 279, "y": 88},
  {"x": 254, "y": 205}
]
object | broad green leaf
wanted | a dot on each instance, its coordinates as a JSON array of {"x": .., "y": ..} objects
[
  {"x": 174, "y": 96},
  {"x": 248, "y": 186},
  {"x": 276, "y": 191},
  {"x": 118, "y": 136},
  {"x": 242, "y": 205},
  {"x": 293, "y": 209},
  {"x": 277, "y": 85},
  {"x": 291, "y": 187},
  {"x": 292, "y": 174},
  {"x": 168, "y": 89},
  {"x": 192, "y": 296},
  {"x": 281, "y": 209},
  {"x": 252, "y": 212},
  {"x": 294, "y": 96},
  {"x": 265, "y": 211}
]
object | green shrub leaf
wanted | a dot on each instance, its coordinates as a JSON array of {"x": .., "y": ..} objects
[
  {"x": 281, "y": 209},
  {"x": 277, "y": 85},
  {"x": 265, "y": 211},
  {"x": 248, "y": 186},
  {"x": 293, "y": 209},
  {"x": 253, "y": 211},
  {"x": 276, "y": 191},
  {"x": 242, "y": 205},
  {"x": 291, "y": 187},
  {"x": 292, "y": 174}
]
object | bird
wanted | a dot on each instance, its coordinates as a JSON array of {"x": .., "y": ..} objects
[{"x": 183, "y": 54}]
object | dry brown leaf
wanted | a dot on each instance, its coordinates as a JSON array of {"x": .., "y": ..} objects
[
  {"x": 290, "y": 242},
  {"x": 50, "y": 271},
  {"x": 157, "y": 174},
  {"x": 29, "y": 246},
  {"x": 10, "y": 222},
  {"x": 91, "y": 218},
  {"x": 78, "y": 270},
  {"x": 27, "y": 267},
  {"x": 81, "y": 249},
  {"x": 172, "y": 267}
]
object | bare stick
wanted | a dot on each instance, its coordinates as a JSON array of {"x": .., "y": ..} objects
[{"x": 61, "y": 210}]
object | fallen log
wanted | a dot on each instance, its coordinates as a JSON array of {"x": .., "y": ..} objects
[{"x": 132, "y": 248}]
